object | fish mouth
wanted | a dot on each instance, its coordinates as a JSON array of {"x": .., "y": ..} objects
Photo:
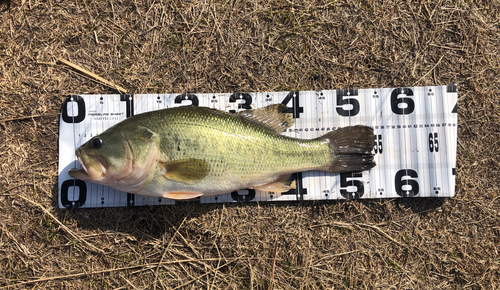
[{"x": 93, "y": 167}]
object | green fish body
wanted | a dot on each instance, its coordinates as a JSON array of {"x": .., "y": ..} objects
[{"x": 186, "y": 152}]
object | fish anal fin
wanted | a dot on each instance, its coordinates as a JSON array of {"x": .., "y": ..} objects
[
  {"x": 274, "y": 116},
  {"x": 182, "y": 195},
  {"x": 187, "y": 171},
  {"x": 282, "y": 184}
]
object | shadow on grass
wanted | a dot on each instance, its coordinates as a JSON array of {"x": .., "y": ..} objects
[{"x": 152, "y": 222}]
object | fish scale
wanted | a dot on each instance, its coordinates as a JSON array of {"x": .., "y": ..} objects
[
  {"x": 239, "y": 151},
  {"x": 189, "y": 151}
]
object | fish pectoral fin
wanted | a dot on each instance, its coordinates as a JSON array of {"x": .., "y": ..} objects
[
  {"x": 282, "y": 184},
  {"x": 274, "y": 116},
  {"x": 78, "y": 174},
  {"x": 188, "y": 171},
  {"x": 182, "y": 195}
]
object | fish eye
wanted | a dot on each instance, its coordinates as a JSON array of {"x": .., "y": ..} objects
[{"x": 96, "y": 143}]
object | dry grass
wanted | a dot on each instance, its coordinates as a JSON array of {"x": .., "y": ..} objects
[{"x": 224, "y": 46}]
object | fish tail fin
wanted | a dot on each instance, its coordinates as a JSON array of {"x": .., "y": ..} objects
[{"x": 351, "y": 149}]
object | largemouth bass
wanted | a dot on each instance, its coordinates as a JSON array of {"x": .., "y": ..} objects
[{"x": 185, "y": 152}]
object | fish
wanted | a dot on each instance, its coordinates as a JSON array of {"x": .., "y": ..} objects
[{"x": 186, "y": 152}]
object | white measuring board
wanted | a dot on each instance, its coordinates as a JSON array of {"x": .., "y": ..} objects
[{"x": 414, "y": 144}]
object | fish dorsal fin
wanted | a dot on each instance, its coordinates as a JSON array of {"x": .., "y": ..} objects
[
  {"x": 275, "y": 117},
  {"x": 187, "y": 171}
]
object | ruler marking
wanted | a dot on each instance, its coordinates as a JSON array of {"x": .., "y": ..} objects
[{"x": 316, "y": 116}]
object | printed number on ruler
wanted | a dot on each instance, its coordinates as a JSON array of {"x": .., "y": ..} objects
[{"x": 407, "y": 179}]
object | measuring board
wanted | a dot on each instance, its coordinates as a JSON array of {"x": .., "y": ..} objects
[{"x": 415, "y": 136}]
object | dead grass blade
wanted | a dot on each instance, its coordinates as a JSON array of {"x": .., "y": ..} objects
[
  {"x": 166, "y": 249},
  {"x": 65, "y": 228},
  {"x": 29, "y": 117},
  {"x": 414, "y": 84},
  {"x": 93, "y": 75},
  {"x": 11, "y": 188},
  {"x": 274, "y": 263},
  {"x": 337, "y": 224},
  {"x": 380, "y": 231},
  {"x": 118, "y": 269},
  {"x": 201, "y": 276}
]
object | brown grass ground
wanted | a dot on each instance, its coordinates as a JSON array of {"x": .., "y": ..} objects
[{"x": 248, "y": 45}]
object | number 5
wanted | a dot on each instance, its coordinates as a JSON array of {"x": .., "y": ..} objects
[
  {"x": 344, "y": 183},
  {"x": 348, "y": 101},
  {"x": 378, "y": 144}
]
